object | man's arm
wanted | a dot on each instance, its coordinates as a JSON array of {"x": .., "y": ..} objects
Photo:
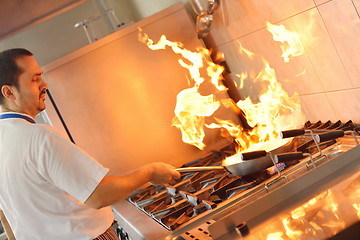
[
  {"x": 8, "y": 231},
  {"x": 115, "y": 188}
]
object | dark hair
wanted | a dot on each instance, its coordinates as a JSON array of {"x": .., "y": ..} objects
[{"x": 9, "y": 71}]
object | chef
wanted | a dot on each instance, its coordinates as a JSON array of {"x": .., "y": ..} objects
[{"x": 49, "y": 187}]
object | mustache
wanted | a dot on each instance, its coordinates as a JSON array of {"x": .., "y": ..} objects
[{"x": 43, "y": 92}]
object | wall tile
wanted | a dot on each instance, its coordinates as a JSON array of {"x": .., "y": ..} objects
[
  {"x": 356, "y": 113},
  {"x": 346, "y": 104},
  {"x": 343, "y": 25},
  {"x": 297, "y": 75},
  {"x": 297, "y": 6},
  {"x": 356, "y": 4},
  {"x": 318, "y": 2},
  {"x": 317, "y": 107},
  {"x": 329, "y": 35},
  {"x": 236, "y": 18},
  {"x": 321, "y": 51}
]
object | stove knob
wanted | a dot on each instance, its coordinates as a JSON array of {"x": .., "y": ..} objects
[
  {"x": 199, "y": 209},
  {"x": 242, "y": 229}
]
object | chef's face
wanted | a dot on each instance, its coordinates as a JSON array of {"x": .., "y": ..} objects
[{"x": 29, "y": 96}]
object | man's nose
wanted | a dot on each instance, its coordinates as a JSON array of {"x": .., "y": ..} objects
[{"x": 44, "y": 84}]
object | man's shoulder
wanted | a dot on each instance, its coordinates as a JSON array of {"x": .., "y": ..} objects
[{"x": 45, "y": 131}]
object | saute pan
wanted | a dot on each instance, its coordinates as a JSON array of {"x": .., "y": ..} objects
[
  {"x": 249, "y": 163},
  {"x": 257, "y": 161}
]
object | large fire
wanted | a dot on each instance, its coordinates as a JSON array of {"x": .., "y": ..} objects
[{"x": 275, "y": 111}]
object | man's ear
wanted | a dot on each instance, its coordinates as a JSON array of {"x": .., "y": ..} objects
[{"x": 7, "y": 92}]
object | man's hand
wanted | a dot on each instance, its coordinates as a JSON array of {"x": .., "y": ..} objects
[
  {"x": 9, "y": 233},
  {"x": 162, "y": 173}
]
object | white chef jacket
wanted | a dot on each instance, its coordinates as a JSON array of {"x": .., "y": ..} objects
[{"x": 44, "y": 181}]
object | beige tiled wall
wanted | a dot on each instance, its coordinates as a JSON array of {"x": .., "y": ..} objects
[{"x": 326, "y": 76}]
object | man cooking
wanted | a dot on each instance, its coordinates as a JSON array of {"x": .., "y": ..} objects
[{"x": 50, "y": 188}]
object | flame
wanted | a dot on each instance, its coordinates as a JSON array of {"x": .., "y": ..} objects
[
  {"x": 314, "y": 216},
  {"x": 299, "y": 222},
  {"x": 275, "y": 236},
  {"x": 191, "y": 110},
  {"x": 357, "y": 208},
  {"x": 311, "y": 204},
  {"x": 292, "y": 45},
  {"x": 274, "y": 111},
  {"x": 321, "y": 217},
  {"x": 191, "y": 107},
  {"x": 292, "y": 227},
  {"x": 242, "y": 77},
  {"x": 196, "y": 59}
]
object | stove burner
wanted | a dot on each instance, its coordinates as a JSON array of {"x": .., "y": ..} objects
[{"x": 194, "y": 193}]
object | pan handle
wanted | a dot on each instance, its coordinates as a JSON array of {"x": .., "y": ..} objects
[
  {"x": 252, "y": 155},
  {"x": 198, "y": 169},
  {"x": 292, "y": 133},
  {"x": 328, "y": 136},
  {"x": 287, "y": 157}
]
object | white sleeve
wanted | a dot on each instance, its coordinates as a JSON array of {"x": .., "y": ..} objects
[{"x": 67, "y": 166}]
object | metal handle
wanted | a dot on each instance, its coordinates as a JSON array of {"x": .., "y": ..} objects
[
  {"x": 292, "y": 133},
  {"x": 287, "y": 157},
  {"x": 253, "y": 155},
  {"x": 328, "y": 136},
  {"x": 198, "y": 169},
  {"x": 357, "y": 130}
]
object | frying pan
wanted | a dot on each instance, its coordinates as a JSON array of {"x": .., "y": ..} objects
[
  {"x": 250, "y": 163},
  {"x": 257, "y": 161}
]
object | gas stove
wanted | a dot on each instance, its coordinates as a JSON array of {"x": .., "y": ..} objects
[{"x": 216, "y": 204}]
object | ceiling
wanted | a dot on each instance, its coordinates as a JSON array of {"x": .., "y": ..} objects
[{"x": 17, "y": 15}]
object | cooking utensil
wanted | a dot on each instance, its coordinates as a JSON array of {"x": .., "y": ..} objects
[
  {"x": 219, "y": 58},
  {"x": 212, "y": 6},
  {"x": 288, "y": 157},
  {"x": 252, "y": 162},
  {"x": 319, "y": 137},
  {"x": 203, "y": 23},
  {"x": 198, "y": 5},
  {"x": 205, "y": 15},
  {"x": 238, "y": 169},
  {"x": 322, "y": 136},
  {"x": 202, "y": 5},
  {"x": 257, "y": 161}
]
